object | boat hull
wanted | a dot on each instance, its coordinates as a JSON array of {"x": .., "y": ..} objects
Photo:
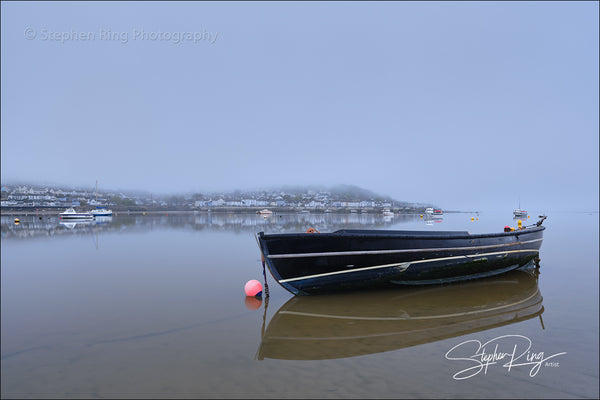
[{"x": 349, "y": 259}]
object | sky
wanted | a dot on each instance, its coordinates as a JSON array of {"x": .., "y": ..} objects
[{"x": 465, "y": 105}]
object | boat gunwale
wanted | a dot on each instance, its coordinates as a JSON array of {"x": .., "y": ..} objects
[{"x": 380, "y": 234}]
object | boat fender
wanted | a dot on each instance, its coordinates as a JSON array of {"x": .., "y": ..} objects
[{"x": 312, "y": 230}]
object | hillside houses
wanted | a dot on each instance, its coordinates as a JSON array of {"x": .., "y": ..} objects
[
  {"x": 47, "y": 197},
  {"x": 24, "y": 196}
]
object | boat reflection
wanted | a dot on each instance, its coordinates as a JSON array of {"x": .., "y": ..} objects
[
  {"x": 102, "y": 219},
  {"x": 354, "y": 324},
  {"x": 431, "y": 219},
  {"x": 73, "y": 224},
  {"x": 49, "y": 225}
]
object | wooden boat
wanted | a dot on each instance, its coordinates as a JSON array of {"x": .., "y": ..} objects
[
  {"x": 356, "y": 324},
  {"x": 311, "y": 263}
]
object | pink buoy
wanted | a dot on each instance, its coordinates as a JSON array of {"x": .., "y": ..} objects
[{"x": 253, "y": 288}]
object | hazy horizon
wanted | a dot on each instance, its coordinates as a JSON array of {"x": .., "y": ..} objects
[{"x": 464, "y": 105}]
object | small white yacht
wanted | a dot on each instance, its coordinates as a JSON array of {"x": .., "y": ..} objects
[
  {"x": 101, "y": 212},
  {"x": 519, "y": 213}
]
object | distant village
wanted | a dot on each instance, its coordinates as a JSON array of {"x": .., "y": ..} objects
[{"x": 24, "y": 197}]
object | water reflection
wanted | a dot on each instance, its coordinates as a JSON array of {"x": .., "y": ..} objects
[
  {"x": 51, "y": 225},
  {"x": 432, "y": 219},
  {"x": 349, "y": 325},
  {"x": 73, "y": 224}
]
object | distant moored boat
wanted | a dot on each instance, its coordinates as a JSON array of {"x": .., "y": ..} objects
[
  {"x": 101, "y": 212},
  {"x": 265, "y": 212},
  {"x": 70, "y": 213},
  {"x": 519, "y": 213}
]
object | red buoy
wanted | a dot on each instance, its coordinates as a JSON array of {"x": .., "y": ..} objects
[{"x": 253, "y": 288}]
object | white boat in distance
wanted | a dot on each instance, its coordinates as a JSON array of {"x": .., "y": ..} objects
[
  {"x": 70, "y": 213},
  {"x": 433, "y": 212},
  {"x": 101, "y": 212},
  {"x": 519, "y": 213},
  {"x": 265, "y": 212}
]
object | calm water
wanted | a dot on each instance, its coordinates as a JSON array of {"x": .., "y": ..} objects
[{"x": 153, "y": 306}]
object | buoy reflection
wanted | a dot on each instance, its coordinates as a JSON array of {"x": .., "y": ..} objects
[{"x": 252, "y": 302}]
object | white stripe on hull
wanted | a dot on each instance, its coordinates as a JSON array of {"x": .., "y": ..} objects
[
  {"x": 404, "y": 265},
  {"x": 365, "y": 252}
]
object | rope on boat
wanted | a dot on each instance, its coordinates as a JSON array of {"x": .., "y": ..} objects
[
  {"x": 539, "y": 223},
  {"x": 262, "y": 259},
  {"x": 262, "y": 333},
  {"x": 257, "y": 356},
  {"x": 266, "y": 285}
]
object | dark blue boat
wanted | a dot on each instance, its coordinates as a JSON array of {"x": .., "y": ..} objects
[{"x": 311, "y": 263}]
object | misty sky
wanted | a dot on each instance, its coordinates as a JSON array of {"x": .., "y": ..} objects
[{"x": 465, "y": 105}]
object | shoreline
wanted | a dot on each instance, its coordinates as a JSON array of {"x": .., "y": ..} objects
[{"x": 224, "y": 210}]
